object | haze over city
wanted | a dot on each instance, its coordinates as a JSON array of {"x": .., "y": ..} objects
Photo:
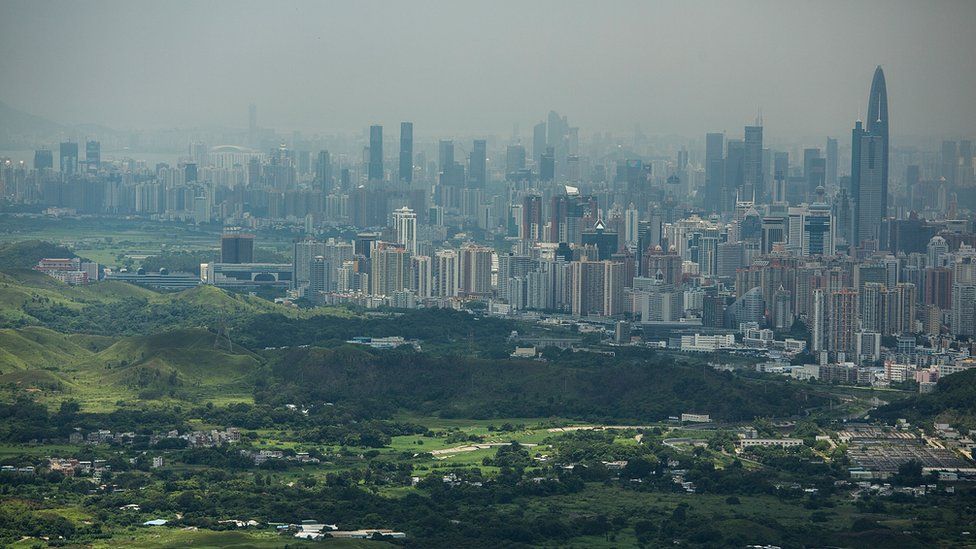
[
  {"x": 679, "y": 68},
  {"x": 601, "y": 274}
]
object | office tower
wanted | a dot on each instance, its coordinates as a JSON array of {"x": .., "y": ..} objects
[
  {"x": 781, "y": 175},
  {"x": 937, "y": 252},
  {"x": 190, "y": 172},
  {"x": 870, "y": 189},
  {"x": 474, "y": 270},
  {"x": 323, "y": 171},
  {"x": 445, "y": 155},
  {"x": 728, "y": 259},
  {"x": 478, "y": 165},
  {"x": 446, "y": 273},
  {"x": 532, "y": 226},
  {"x": 237, "y": 248},
  {"x": 815, "y": 173},
  {"x": 69, "y": 158},
  {"x": 405, "y": 173},
  {"x": 773, "y": 232},
  {"x": 818, "y": 230},
  {"x": 950, "y": 161},
  {"x": 606, "y": 242},
  {"x": 93, "y": 155},
  {"x": 734, "y": 174},
  {"x": 389, "y": 269},
  {"x": 514, "y": 159},
  {"x": 538, "y": 142},
  {"x": 842, "y": 323},
  {"x": 547, "y": 165},
  {"x": 631, "y": 225},
  {"x": 869, "y": 165},
  {"x": 753, "y": 185},
  {"x": 664, "y": 267},
  {"x": 938, "y": 287},
  {"x": 374, "y": 169},
  {"x": 43, "y": 160},
  {"x": 365, "y": 243},
  {"x": 831, "y": 165},
  {"x": 405, "y": 228},
  {"x": 714, "y": 176}
]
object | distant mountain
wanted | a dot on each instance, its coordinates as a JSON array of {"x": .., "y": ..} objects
[{"x": 18, "y": 126}]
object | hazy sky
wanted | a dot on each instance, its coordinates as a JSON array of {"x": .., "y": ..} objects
[{"x": 469, "y": 67}]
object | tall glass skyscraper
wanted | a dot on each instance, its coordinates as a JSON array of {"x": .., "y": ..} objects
[{"x": 869, "y": 165}]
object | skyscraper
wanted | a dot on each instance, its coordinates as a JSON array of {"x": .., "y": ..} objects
[
  {"x": 445, "y": 159},
  {"x": 831, "y": 163},
  {"x": 69, "y": 158},
  {"x": 868, "y": 184},
  {"x": 547, "y": 165},
  {"x": 478, "y": 164},
  {"x": 752, "y": 174},
  {"x": 405, "y": 228},
  {"x": 869, "y": 165},
  {"x": 93, "y": 155},
  {"x": 374, "y": 169},
  {"x": 406, "y": 152},
  {"x": 950, "y": 161},
  {"x": 514, "y": 159},
  {"x": 714, "y": 176},
  {"x": 43, "y": 159},
  {"x": 323, "y": 171},
  {"x": 538, "y": 142}
]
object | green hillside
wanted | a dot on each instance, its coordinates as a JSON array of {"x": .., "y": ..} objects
[
  {"x": 593, "y": 387},
  {"x": 38, "y": 348},
  {"x": 954, "y": 402},
  {"x": 185, "y": 364}
]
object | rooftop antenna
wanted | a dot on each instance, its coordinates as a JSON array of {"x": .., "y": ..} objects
[{"x": 759, "y": 119}]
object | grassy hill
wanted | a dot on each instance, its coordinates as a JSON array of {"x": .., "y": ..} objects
[
  {"x": 954, "y": 402},
  {"x": 186, "y": 364}
]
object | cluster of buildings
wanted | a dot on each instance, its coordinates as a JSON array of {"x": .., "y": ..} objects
[
  {"x": 72, "y": 270},
  {"x": 202, "y": 439},
  {"x": 261, "y": 456},
  {"x": 843, "y": 247}
]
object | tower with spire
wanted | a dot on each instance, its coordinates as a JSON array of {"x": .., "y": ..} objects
[{"x": 869, "y": 166}]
